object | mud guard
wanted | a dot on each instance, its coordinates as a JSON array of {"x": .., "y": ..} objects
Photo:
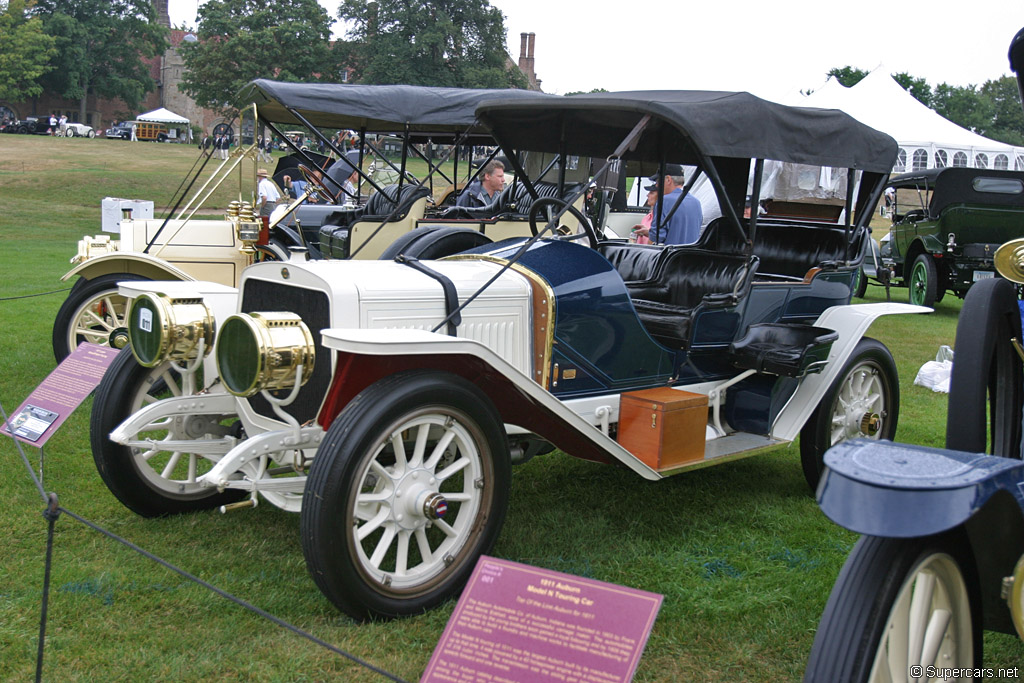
[{"x": 132, "y": 263}]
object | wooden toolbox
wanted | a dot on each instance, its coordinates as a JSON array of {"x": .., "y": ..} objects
[{"x": 663, "y": 427}]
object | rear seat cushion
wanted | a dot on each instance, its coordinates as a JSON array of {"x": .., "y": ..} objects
[{"x": 784, "y": 249}]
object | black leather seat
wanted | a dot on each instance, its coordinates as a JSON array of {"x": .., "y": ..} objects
[
  {"x": 633, "y": 261},
  {"x": 513, "y": 201},
  {"x": 788, "y": 349},
  {"x": 388, "y": 204},
  {"x": 688, "y": 280},
  {"x": 787, "y": 249}
]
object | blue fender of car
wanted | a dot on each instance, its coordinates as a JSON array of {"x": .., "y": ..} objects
[{"x": 880, "y": 488}]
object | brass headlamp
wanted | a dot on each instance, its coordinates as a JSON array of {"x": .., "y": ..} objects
[
  {"x": 1009, "y": 260},
  {"x": 162, "y": 328},
  {"x": 247, "y": 224},
  {"x": 262, "y": 351}
]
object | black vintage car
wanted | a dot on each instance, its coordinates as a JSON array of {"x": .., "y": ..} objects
[{"x": 33, "y": 125}]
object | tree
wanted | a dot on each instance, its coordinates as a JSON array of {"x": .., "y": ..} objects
[
  {"x": 963, "y": 106},
  {"x": 25, "y": 52},
  {"x": 847, "y": 75},
  {"x": 241, "y": 40},
  {"x": 455, "y": 43},
  {"x": 101, "y": 45},
  {"x": 1006, "y": 122},
  {"x": 917, "y": 87}
]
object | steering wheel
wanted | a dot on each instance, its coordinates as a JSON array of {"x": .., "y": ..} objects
[
  {"x": 588, "y": 229},
  {"x": 315, "y": 180}
]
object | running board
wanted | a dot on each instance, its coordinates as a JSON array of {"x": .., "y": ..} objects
[{"x": 724, "y": 449}]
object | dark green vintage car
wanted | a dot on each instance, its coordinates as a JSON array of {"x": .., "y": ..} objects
[{"x": 947, "y": 225}]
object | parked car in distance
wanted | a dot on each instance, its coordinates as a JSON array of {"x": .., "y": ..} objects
[
  {"x": 79, "y": 130},
  {"x": 33, "y": 125},
  {"x": 119, "y": 131},
  {"x": 947, "y": 225},
  {"x": 151, "y": 132}
]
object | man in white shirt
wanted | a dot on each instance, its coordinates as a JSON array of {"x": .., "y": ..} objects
[{"x": 267, "y": 193}]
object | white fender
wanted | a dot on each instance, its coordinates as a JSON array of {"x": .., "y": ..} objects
[
  {"x": 409, "y": 342},
  {"x": 851, "y": 322}
]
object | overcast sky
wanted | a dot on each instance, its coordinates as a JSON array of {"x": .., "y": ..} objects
[{"x": 772, "y": 49}]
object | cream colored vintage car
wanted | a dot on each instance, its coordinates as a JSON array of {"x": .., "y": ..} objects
[{"x": 187, "y": 248}]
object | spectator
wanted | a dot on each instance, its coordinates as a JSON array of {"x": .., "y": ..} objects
[
  {"x": 267, "y": 193},
  {"x": 641, "y": 231},
  {"x": 345, "y": 172},
  {"x": 63, "y": 124},
  {"x": 677, "y": 217},
  {"x": 485, "y": 189},
  {"x": 53, "y": 124}
]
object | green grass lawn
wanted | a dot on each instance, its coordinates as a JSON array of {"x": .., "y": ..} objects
[{"x": 740, "y": 551}]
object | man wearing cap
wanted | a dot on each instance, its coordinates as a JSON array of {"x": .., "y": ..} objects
[
  {"x": 678, "y": 224},
  {"x": 491, "y": 182},
  {"x": 267, "y": 193}
]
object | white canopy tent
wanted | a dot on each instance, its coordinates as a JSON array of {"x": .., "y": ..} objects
[
  {"x": 163, "y": 116},
  {"x": 926, "y": 139},
  {"x": 167, "y": 116}
]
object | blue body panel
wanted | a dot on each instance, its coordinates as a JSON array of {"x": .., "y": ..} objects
[
  {"x": 599, "y": 335},
  {"x": 880, "y": 488}
]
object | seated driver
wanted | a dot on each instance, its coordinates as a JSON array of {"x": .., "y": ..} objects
[{"x": 485, "y": 189}]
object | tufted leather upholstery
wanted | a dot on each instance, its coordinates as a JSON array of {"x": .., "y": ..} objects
[
  {"x": 685, "y": 280},
  {"x": 783, "y": 349},
  {"x": 787, "y": 249},
  {"x": 513, "y": 200},
  {"x": 377, "y": 209},
  {"x": 633, "y": 261}
]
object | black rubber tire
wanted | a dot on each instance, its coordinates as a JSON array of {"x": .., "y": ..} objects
[
  {"x": 534, "y": 212},
  {"x": 816, "y": 435},
  {"x": 854, "y": 622},
  {"x": 987, "y": 373},
  {"x": 80, "y": 295},
  {"x": 860, "y": 284},
  {"x": 341, "y": 470},
  {"x": 434, "y": 242},
  {"x": 116, "y": 399},
  {"x": 925, "y": 291}
]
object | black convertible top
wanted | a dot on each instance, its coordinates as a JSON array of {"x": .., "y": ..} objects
[
  {"x": 377, "y": 108},
  {"x": 688, "y": 124}
]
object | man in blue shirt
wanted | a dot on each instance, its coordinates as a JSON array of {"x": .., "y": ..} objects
[{"x": 677, "y": 225}]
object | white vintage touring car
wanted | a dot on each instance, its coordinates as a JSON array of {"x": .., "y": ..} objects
[{"x": 387, "y": 400}]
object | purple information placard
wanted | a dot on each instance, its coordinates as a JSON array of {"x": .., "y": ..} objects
[
  {"x": 516, "y": 623},
  {"x": 63, "y": 390}
]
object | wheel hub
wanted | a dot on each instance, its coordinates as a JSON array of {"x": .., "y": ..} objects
[
  {"x": 870, "y": 424},
  {"x": 416, "y": 501},
  {"x": 119, "y": 337}
]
